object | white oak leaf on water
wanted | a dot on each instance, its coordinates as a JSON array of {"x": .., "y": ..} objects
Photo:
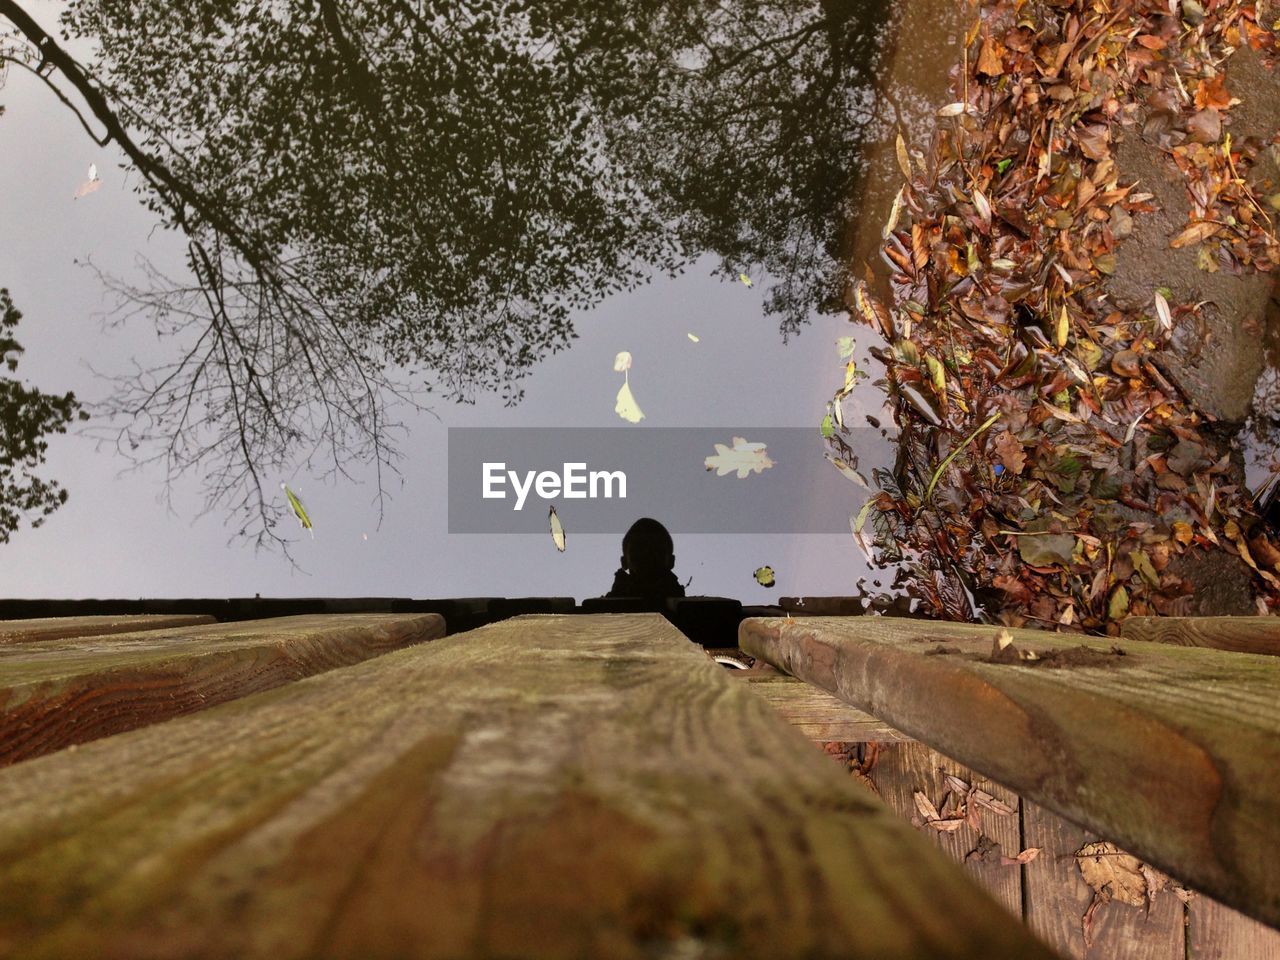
[
  {"x": 1112, "y": 873},
  {"x": 743, "y": 458}
]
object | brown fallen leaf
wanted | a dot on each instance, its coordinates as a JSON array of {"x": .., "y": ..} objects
[
  {"x": 1023, "y": 858},
  {"x": 1112, "y": 873},
  {"x": 1195, "y": 233},
  {"x": 1009, "y": 451}
]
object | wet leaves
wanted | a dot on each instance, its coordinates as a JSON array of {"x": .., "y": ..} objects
[
  {"x": 993, "y": 307},
  {"x": 765, "y": 576}
]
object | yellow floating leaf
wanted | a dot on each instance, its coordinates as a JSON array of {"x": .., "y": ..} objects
[
  {"x": 557, "y": 529},
  {"x": 626, "y": 406},
  {"x": 693, "y": 338},
  {"x": 904, "y": 159},
  {"x": 746, "y": 281},
  {"x": 764, "y": 576},
  {"x": 299, "y": 510}
]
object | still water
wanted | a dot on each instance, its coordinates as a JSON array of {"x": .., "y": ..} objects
[{"x": 475, "y": 211}]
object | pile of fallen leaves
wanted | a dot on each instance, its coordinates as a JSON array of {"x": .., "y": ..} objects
[{"x": 1047, "y": 466}]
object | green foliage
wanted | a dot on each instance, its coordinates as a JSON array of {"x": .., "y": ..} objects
[{"x": 27, "y": 416}]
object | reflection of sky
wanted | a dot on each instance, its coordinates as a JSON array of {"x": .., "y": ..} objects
[{"x": 115, "y": 537}]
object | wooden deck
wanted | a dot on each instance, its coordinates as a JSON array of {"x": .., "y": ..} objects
[
  {"x": 58, "y": 692},
  {"x": 546, "y": 787},
  {"x": 1169, "y": 751}
]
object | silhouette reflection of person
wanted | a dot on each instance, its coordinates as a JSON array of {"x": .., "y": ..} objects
[{"x": 648, "y": 562}]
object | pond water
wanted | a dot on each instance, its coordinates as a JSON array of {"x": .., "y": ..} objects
[{"x": 461, "y": 194}]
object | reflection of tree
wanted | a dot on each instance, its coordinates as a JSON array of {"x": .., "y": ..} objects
[
  {"x": 27, "y": 416},
  {"x": 375, "y": 186}
]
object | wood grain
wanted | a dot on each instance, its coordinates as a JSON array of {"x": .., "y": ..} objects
[
  {"x": 546, "y": 787},
  {"x": 1169, "y": 751},
  {"x": 1216, "y": 932},
  {"x": 815, "y": 713},
  {"x": 60, "y": 628},
  {"x": 55, "y": 693},
  {"x": 903, "y": 769},
  {"x": 1057, "y": 898},
  {"x": 1241, "y": 634}
]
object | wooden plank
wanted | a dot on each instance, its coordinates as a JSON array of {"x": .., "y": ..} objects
[
  {"x": 55, "y": 693},
  {"x": 904, "y": 769},
  {"x": 59, "y": 628},
  {"x": 1217, "y": 932},
  {"x": 1058, "y": 898},
  {"x": 1241, "y": 634},
  {"x": 1169, "y": 751},
  {"x": 546, "y": 787},
  {"x": 816, "y": 714}
]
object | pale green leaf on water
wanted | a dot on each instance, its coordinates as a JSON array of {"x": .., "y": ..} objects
[
  {"x": 846, "y": 346},
  {"x": 861, "y": 519},
  {"x": 904, "y": 159},
  {"x": 828, "y": 428},
  {"x": 299, "y": 510}
]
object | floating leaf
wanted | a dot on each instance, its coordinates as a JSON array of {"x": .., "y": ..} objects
[
  {"x": 91, "y": 184},
  {"x": 299, "y": 510},
  {"x": 746, "y": 281},
  {"x": 626, "y": 406},
  {"x": 895, "y": 211},
  {"x": 828, "y": 428},
  {"x": 845, "y": 346},
  {"x": 557, "y": 528},
  {"x": 693, "y": 338},
  {"x": 904, "y": 159},
  {"x": 764, "y": 576},
  {"x": 743, "y": 457}
]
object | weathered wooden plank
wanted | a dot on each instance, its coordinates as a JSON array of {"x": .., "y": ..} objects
[
  {"x": 1169, "y": 751},
  {"x": 547, "y": 787},
  {"x": 55, "y": 693},
  {"x": 904, "y": 769},
  {"x": 816, "y": 714},
  {"x": 1241, "y": 634},
  {"x": 59, "y": 628},
  {"x": 1058, "y": 899},
  {"x": 1217, "y": 932}
]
